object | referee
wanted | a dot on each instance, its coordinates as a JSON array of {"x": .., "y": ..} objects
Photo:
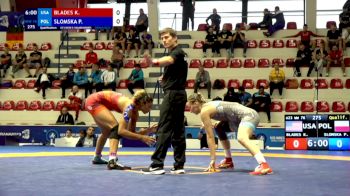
[{"x": 171, "y": 129}]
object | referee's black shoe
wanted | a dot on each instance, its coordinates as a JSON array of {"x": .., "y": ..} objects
[{"x": 153, "y": 171}]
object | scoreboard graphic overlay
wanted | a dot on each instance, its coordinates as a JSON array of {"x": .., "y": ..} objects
[
  {"x": 317, "y": 132},
  {"x": 71, "y": 18}
]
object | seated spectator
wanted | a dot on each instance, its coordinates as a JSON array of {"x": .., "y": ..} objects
[
  {"x": 267, "y": 20},
  {"x": 97, "y": 29},
  {"x": 65, "y": 118},
  {"x": 82, "y": 133},
  {"x": 319, "y": 59},
  {"x": 19, "y": 61},
  {"x": 244, "y": 97},
  {"x": 262, "y": 102},
  {"x": 95, "y": 78},
  {"x": 142, "y": 22},
  {"x": 35, "y": 60},
  {"x": 239, "y": 40},
  {"x": 278, "y": 25},
  {"x": 89, "y": 140},
  {"x": 67, "y": 80},
  {"x": 211, "y": 41},
  {"x": 109, "y": 78},
  {"x": 81, "y": 80},
  {"x": 344, "y": 27},
  {"x": 277, "y": 78},
  {"x": 305, "y": 37},
  {"x": 5, "y": 62},
  {"x": 91, "y": 58},
  {"x": 215, "y": 20},
  {"x": 225, "y": 39},
  {"x": 76, "y": 100},
  {"x": 133, "y": 41},
  {"x": 43, "y": 82},
  {"x": 136, "y": 79},
  {"x": 333, "y": 37},
  {"x": 202, "y": 80},
  {"x": 231, "y": 96},
  {"x": 69, "y": 133},
  {"x": 335, "y": 57},
  {"x": 146, "y": 42},
  {"x": 303, "y": 58},
  {"x": 120, "y": 39},
  {"x": 117, "y": 59}
]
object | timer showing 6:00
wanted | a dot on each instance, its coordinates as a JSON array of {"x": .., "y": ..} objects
[{"x": 31, "y": 12}]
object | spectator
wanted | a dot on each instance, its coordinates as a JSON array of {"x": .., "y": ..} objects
[
  {"x": 335, "y": 57},
  {"x": 109, "y": 78},
  {"x": 187, "y": 12},
  {"x": 89, "y": 140},
  {"x": 231, "y": 96},
  {"x": 5, "y": 62},
  {"x": 267, "y": 20},
  {"x": 97, "y": 29},
  {"x": 69, "y": 133},
  {"x": 202, "y": 80},
  {"x": 239, "y": 40},
  {"x": 65, "y": 118},
  {"x": 277, "y": 78},
  {"x": 215, "y": 20},
  {"x": 278, "y": 25},
  {"x": 245, "y": 97},
  {"x": 192, "y": 15},
  {"x": 82, "y": 133},
  {"x": 19, "y": 61},
  {"x": 120, "y": 39},
  {"x": 81, "y": 80},
  {"x": 136, "y": 79},
  {"x": 133, "y": 40},
  {"x": 211, "y": 41},
  {"x": 262, "y": 101},
  {"x": 35, "y": 60},
  {"x": 303, "y": 58},
  {"x": 91, "y": 57},
  {"x": 141, "y": 23},
  {"x": 319, "y": 59},
  {"x": 76, "y": 100},
  {"x": 333, "y": 37},
  {"x": 95, "y": 78},
  {"x": 146, "y": 42},
  {"x": 305, "y": 37},
  {"x": 43, "y": 82},
  {"x": 67, "y": 80},
  {"x": 344, "y": 26},
  {"x": 225, "y": 39},
  {"x": 117, "y": 59}
]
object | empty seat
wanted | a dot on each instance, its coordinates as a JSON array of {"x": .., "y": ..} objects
[
  {"x": 144, "y": 64},
  {"x": 292, "y": 43},
  {"x": 221, "y": 63},
  {"x": 347, "y": 62},
  {"x": 123, "y": 84},
  {"x": 322, "y": 83},
  {"x": 228, "y": 26},
  {"x": 31, "y": 84},
  {"x": 347, "y": 84},
  {"x": 278, "y": 61},
  {"x": 264, "y": 63},
  {"x": 100, "y": 46},
  {"x": 338, "y": 106},
  {"x": 198, "y": 44},
  {"x": 208, "y": 63},
  {"x": 16, "y": 46},
  {"x": 276, "y": 106},
  {"x": 307, "y": 106},
  {"x": 19, "y": 84},
  {"x": 30, "y": 46},
  {"x": 292, "y": 106},
  {"x": 233, "y": 83},
  {"x": 237, "y": 63},
  {"x": 34, "y": 105},
  {"x": 48, "y": 105},
  {"x": 291, "y": 84},
  {"x": 110, "y": 46},
  {"x": 330, "y": 23},
  {"x": 60, "y": 104},
  {"x": 264, "y": 44},
  {"x": 46, "y": 46},
  {"x": 290, "y": 62},
  {"x": 190, "y": 84},
  {"x": 253, "y": 26},
  {"x": 221, "y": 85},
  {"x": 262, "y": 82},
  {"x": 306, "y": 84},
  {"x": 252, "y": 44},
  {"x": 87, "y": 46},
  {"x": 278, "y": 43},
  {"x": 249, "y": 63},
  {"x": 248, "y": 83},
  {"x": 202, "y": 27},
  {"x": 195, "y": 63},
  {"x": 56, "y": 84},
  {"x": 130, "y": 63},
  {"x": 8, "y": 105},
  {"x": 21, "y": 105},
  {"x": 323, "y": 106},
  {"x": 337, "y": 83},
  {"x": 291, "y": 25}
]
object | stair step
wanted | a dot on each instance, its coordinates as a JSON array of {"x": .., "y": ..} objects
[
  {"x": 154, "y": 74},
  {"x": 180, "y": 45},
  {"x": 145, "y": 119},
  {"x": 75, "y": 38},
  {"x": 71, "y": 47},
  {"x": 63, "y": 65},
  {"x": 67, "y": 56},
  {"x": 184, "y": 37}
]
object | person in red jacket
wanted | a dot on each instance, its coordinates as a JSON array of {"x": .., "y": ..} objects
[
  {"x": 76, "y": 100},
  {"x": 335, "y": 57},
  {"x": 305, "y": 37},
  {"x": 91, "y": 58}
]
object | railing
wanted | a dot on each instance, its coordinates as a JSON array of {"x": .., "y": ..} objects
[{"x": 64, "y": 35}]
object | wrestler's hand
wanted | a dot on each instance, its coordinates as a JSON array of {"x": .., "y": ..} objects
[
  {"x": 153, "y": 128},
  {"x": 148, "y": 140},
  {"x": 211, "y": 167}
]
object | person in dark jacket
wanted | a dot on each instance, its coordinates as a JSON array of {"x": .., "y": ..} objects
[
  {"x": 231, "y": 96},
  {"x": 89, "y": 140},
  {"x": 65, "y": 118},
  {"x": 267, "y": 20},
  {"x": 278, "y": 25},
  {"x": 43, "y": 82}
]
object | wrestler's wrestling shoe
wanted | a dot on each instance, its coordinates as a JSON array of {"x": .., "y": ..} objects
[
  {"x": 113, "y": 164},
  {"x": 227, "y": 163},
  {"x": 262, "y": 169},
  {"x": 98, "y": 161}
]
